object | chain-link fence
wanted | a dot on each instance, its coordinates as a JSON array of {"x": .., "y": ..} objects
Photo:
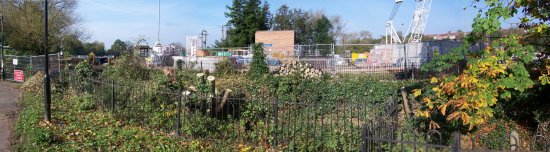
[
  {"x": 18, "y": 68},
  {"x": 385, "y": 61}
]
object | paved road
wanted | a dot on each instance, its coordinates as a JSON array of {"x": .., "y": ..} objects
[{"x": 8, "y": 113}]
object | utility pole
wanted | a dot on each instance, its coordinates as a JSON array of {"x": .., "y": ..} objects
[
  {"x": 47, "y": 93},
  {"x": 2, "y": 44}
]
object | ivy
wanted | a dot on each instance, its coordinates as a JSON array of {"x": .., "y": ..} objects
[{"x": 258, "y": 65}]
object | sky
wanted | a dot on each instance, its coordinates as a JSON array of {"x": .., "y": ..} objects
[{"x": 108, "y": 20}]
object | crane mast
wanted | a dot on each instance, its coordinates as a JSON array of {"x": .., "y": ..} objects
[
  {"x": 418, "y": 24},
  {"x": 390, "y": 29}
]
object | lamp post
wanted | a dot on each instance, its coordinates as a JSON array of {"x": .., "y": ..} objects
[
  {"x": 47, "y": 93},
  {"x": 2, "y": 45}
]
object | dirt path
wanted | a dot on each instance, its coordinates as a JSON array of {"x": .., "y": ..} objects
[{"x": 8, "y": 112}]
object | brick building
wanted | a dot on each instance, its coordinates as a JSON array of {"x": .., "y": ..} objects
[{"x": 278, "y": 44}]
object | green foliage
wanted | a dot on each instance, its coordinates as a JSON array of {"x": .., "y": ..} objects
[
  {"x": 87, "y": 131},
  {"x": 179, "y": 65},
  {"x": 24, "y": 27},
  {"x": 322, "y": 32},
  {"x": 491, "y": 76},
  {"x": 258, "y": 65},
  {"x": 245, "y": 18},
  {"x": 85, "y": 102},
  {"x": 497, "y": 138},
  {"x": 95, "y": 47},
  {"x": 127, "y": 67},
  {"x": 225, "y": 67},
  {"x": 91, "y": 58},
  {"x": 117, "y": 47},
  {"x": 84, "y": 71}
]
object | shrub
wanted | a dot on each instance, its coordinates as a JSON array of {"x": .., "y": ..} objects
[
  {"x": 225, "y": 67},
  {"x": 91, "y": 58},
  {"x": 179, "y": 64},
  {"x": 305, "y": 70},
  {"x": 258, "y": 67},
  {"x": 84, "y": 102},
  {"x": 127, "y": 67}
]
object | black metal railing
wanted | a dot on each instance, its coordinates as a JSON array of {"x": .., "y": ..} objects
[
  {"x": 265, "y": 123},
  {"x": 229, "y": 123},
  {"x": 388, "y": 135}
]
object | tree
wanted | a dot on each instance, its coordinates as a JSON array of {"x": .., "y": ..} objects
[
  {"x": 117, "y": 47},
  {"x": 338, "y": 25},
  {"x": 322, "y": 33},
  {"x": 497, "y": 74},
  {"x": 245, "y": 18},
  {"x": 362, "y": 37},
  {"x": 71, "y": 45},
  {"x": 98, "y": 48},
  {"x": 129, "y": 45},
  {"x": 24, "y": 24},
  {"x": 302, "y": 26},
  {"x": 283, "y": 19},
  {"x": 258, "y": 65}
]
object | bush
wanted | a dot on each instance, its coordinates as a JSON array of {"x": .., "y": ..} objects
[
  {"x": 84, "y": 102},
  {"x": 179, "y": 65},
  {"x": 84, "y": 70},
  {"x": 225, "y": 67},
  {"x": 258, "y": 65},
  {"x": 127, "y": 67}
]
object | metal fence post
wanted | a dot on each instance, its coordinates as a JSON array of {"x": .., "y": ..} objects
[
  {"x": 275, "y": 120},
  {"x": 201, "y": 65},
  {"x": 178, "y": 117},
  {"x": 456, "y": 145},
  {"x": 113, "y": 96},
  {"x": 364, "y": 138},
  {"x": 59, "y": 65},
  {"x": 406, "y": 74}
]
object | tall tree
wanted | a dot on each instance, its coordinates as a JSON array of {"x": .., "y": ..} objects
[
  {"x": 71, "y": 45},
  {"x": 322, "y": 33},
  {"x": 302, "y": 25},
  {"x": 245, "y": 18},
  {"x": 97, "y": 47},
  {"x": 117, "y": 47},
  {"x": 338, "y": 27},
  {"x": 24, "y": 23},
  {"x": 283, "y": 19}
]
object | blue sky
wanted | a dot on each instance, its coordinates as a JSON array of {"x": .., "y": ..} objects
[{"x": 108, "y": 20}]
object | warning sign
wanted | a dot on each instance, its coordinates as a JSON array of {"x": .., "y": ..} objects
[{"x": 18, "y": 75}]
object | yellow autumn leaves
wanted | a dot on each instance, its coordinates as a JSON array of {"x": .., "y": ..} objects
[{"x": 466, "y": 97}]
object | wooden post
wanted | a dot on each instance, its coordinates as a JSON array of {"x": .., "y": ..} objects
[
  {"x": 200, "y": 78},
  {"x": 224, "y": 100},
  {"x": 212, "y": 94}
]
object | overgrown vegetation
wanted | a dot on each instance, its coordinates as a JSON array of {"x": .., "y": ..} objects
[
  {"x": 258, "y": 65},
  {"x": 78, "y": 126},
  {"x": 145, "y": 101},
  {"x": 501, "y": 75}
]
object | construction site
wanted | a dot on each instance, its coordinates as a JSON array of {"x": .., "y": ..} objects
[{"x": 395, "y": 53}]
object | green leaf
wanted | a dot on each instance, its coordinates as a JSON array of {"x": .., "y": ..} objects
[{"x": 544, "y": 79}]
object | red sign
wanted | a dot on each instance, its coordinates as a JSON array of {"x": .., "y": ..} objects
[{"x": 18, "y": 75}]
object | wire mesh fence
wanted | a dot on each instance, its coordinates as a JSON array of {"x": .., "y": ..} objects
[
  {"x": 403, "y": 70},
  {"x": 29, "y": 65}
]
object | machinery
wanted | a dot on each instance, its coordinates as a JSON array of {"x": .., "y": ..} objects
[
  {"x": 417, "y": 26},
  {"x": 390, "y": 30}
]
